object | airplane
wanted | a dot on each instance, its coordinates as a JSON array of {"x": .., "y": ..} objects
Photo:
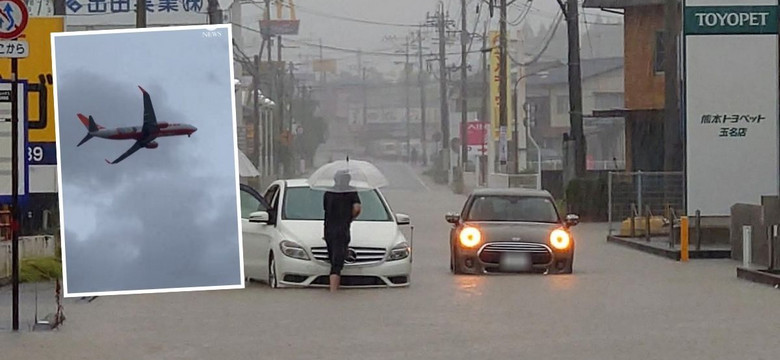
[{"x": 144, "y": 136}]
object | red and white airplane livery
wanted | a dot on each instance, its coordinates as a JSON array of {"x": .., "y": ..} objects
[{"x": 144, "y": 136}]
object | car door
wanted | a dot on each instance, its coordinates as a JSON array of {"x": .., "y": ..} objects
[
  {"x": 270, "y": 232},
  {"x": 256, "y": 236}
]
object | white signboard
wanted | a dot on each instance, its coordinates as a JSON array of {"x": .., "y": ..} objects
[
  {"x": 121, "y": 13},
  {"x": 14, "y": 49},
  {"x": 731, "y": 108},
  {"x": 6, "y": 141}
]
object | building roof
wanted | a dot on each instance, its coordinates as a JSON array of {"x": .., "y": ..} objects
[
  {"x": 620, "y": 4},
  {"x": 554, "y": 75}
]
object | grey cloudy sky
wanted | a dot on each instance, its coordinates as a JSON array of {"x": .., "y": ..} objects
[
  {"x": 164, "y": 217},
  {"x": 318, "y": 22}
]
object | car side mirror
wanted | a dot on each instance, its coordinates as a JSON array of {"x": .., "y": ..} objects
[
  {"x": 259, "y": 217},
  {"x": 402, "y": 219},
  {"x": 572, "y": 220},
  {"x": 452, "y": 218}
]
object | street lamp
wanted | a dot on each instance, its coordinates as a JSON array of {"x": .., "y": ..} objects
[{"x": 527, "y": 132}]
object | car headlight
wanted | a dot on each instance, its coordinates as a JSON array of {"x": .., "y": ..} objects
[
  {"x": 560, "y": 239},
  {"x": 293, "y": 250},
  {"x": 470, "y": 237},
  {"x": 399, "y": 252}
]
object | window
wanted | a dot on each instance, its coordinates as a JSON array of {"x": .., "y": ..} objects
[
  {"x": 305, "y": 203},
  {"x": 607, "y": 101},
  {"x": 513, "y": 208},
  {"x": 562, "y": 104},
  {"x": 659, "y": 52},
  {"x": 250, "y": 204}
]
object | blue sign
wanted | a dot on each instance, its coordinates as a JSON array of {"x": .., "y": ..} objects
[
  {"x": 127, "y": 6},
  {"x": 42, "y": 153}
]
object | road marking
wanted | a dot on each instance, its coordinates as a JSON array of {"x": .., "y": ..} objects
[{"x": 417, "y": 177}]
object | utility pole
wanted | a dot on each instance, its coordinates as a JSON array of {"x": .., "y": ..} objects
[
  {"x": 408, "y": 111},
  {"x": 485, "y": 85},
  {"x": 323, "y": 73},
  {"x": 421, "y": 81},
  {"x": 464, "y": 40},
  {"x": 256, "y": 112},
  {"x": 271, "y": 128},
  {"x": 215, "y": 13},
  {"x": 445, "y": 116},
  {"x": 365, "y": 99},
  {"x": 571, "y": 11},
  {"x": 502, "y": 85},
  {"x": 671, "y": 114},
  {"x": 140, "y": 14},
  {"x": 282, "y": 102}
]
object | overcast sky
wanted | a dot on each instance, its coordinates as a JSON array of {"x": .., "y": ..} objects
[
  {"x": 161, "y": 218},
  {"x": 324, "y": 19}
]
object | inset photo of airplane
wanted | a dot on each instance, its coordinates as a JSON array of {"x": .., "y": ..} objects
[{"x": 144, "y": 135}]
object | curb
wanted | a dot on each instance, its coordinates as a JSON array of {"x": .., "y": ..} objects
[
  {"x": 759, "y": 276},
  {"x": 669, "y": 253}
]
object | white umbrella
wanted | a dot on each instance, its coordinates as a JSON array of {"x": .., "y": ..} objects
[
  {"x": 363, "y": 176},
  {"x": 245, "y": 166}
]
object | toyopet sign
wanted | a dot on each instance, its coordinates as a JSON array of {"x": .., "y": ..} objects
[
  {"x": 731, "y": 111},
  {"x": 701, "y": 20}
]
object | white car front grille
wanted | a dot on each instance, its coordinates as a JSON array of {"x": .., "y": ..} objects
[{"x": 363, "y": 255}]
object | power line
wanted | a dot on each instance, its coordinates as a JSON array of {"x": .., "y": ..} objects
[
  {"x": 345, "y": 18},
  {"x": 342, "y": 49},
  {"x": 547, "y": 43}
]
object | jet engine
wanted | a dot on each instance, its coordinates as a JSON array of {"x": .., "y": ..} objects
[{"x": 152, "y": 145}]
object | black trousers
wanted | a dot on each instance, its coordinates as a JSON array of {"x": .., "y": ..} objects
[{"x": 337, "y": 240}]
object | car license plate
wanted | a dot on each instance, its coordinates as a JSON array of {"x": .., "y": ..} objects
[{"x": 515, "y": 262}]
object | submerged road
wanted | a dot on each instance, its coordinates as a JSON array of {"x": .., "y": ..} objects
[{"x": 619, "y": 304}]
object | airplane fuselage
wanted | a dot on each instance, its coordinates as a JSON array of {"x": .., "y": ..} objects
[{"x": 136, "y": 133}]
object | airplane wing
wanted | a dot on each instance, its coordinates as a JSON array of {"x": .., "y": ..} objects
[
  {"x": 150, "y": 120},
  {"x": 137, "y": 146}
]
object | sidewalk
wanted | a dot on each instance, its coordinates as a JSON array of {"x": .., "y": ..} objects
[{"x": 47, "y": 304}]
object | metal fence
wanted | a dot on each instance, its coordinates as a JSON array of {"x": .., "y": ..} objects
[{"x": 634, "y": 193}]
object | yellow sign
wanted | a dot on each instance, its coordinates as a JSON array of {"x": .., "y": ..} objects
[
  {"x": 495, "y": 96},
  {"x": 38, "y": 63},
  {"x": 325, "y": 65}
]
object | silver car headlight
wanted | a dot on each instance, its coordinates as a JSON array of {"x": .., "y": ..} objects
[
  {"x": 293, "y": 250},
  {"x": 399, "y": 252}
]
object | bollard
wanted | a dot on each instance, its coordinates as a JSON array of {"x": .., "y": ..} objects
[
  {"x": 647, "y": 224},
  {"x": 683, "y": 238},
  {"x": 772, "y": 237},
  {"x": 746, "y": 246},
  {"x": 698, "y": 230}
]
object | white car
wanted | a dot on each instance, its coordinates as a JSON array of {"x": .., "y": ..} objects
[{"x": 283, "y": 239}]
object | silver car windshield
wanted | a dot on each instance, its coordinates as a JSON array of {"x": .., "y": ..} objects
[
  {"x": 304, "y": 203},
  {"x": 512, "y": 208}
]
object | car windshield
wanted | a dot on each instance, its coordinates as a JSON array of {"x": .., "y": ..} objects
[
  {"x": 304, "y": 203},
  {"x": 513, "y": 208}
]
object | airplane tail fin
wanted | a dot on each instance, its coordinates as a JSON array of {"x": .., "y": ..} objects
[{"x": 91, "y": 125}]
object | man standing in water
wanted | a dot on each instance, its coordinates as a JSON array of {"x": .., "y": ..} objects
[{"x": 341, "y": 207}]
